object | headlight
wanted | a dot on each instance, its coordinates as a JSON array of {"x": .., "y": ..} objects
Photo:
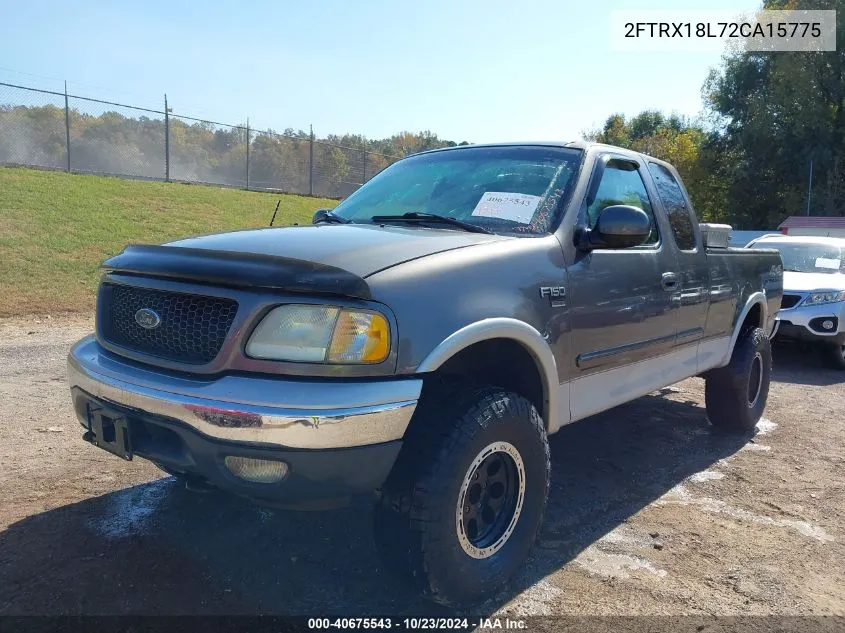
[
  {"x": 824, "y": 296},
  {"x": 321, "y": 334}
]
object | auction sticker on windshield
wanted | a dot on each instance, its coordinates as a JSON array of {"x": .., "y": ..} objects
[
  {"x": 824, "y": 262},
  {"x": 517, "y": 207}
]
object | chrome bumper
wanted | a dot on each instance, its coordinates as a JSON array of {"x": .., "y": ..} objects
[{"x": 304, "y": 414}]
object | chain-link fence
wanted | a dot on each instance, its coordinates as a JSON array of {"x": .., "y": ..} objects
[
  {"x": 54, "y": 130},
  {"x": 33, "y": 128},
  {"x": 107, "y": 138}
]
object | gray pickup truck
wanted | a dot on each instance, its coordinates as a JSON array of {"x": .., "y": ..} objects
[{"x": 419, "y": 343}]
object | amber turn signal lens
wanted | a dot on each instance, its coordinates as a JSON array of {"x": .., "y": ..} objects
[{"x": 359, "y": 337}]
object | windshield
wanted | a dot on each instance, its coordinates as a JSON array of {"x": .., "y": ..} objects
[
  {"x": 807, "y": 257},
  {"x": 512, "y": 190}
]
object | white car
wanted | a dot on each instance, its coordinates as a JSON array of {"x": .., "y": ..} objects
[{"x": 813, "y": 304}]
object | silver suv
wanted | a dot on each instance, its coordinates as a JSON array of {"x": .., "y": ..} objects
[{"x": 813, "y": 305}]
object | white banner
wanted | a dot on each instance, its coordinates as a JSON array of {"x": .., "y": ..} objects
[{"x": 691, "y": 31}]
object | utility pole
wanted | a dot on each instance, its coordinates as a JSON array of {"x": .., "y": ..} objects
[{"x": 810, "y": 188}]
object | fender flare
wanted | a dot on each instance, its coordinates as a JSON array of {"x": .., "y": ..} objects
[
  {"x": 505, "y": 328},
  {"x": 754, "y": 298}
]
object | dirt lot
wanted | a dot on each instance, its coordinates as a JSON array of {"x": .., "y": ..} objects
[{"x": 650, "y": 513}]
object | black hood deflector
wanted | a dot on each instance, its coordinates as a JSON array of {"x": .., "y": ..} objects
[{"x": 237, "y": 269}]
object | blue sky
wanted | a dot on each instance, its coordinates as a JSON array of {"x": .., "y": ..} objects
[{"x": 469, "y": 70}]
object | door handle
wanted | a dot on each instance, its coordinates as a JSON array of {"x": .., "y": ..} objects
[{"x": 669, "y": 281}]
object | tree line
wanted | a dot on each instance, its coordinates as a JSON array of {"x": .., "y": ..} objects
[
  {"x": 768, "y": 116},
  {"x": 113, "y": 143}
]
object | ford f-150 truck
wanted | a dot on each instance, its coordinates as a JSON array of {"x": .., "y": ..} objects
[{"x": 419, "y": 343}]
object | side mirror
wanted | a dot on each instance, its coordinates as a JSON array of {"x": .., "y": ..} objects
[
  {"x": 618, "y": 226},
  {"x": 319, "y": 214}
]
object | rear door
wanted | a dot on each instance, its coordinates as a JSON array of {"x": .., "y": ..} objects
[{"x": 693, "y": 275}]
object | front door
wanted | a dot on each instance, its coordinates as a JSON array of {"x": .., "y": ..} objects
[{"x": 623, "y": 315}]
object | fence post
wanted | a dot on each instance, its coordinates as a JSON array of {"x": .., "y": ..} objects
[
  {"x": 247, "y": 153},
  {"x": 311, "y": 162},
  {"x": 166, "y": 140},
  {"x": 67, "y": 129},
  {"x": 810, "y": 188}
]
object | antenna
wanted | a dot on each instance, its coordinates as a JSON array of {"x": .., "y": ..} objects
[{"x": 273, "y": 219}]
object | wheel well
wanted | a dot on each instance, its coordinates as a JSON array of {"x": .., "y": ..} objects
[
  {"x": 500, "y": 362},
  {"x": 753, "y": 319}
]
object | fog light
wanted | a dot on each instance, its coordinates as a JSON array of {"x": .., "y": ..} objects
[
  {"x": 259, "y": 471},
  {"x": 827, "y": 324}
]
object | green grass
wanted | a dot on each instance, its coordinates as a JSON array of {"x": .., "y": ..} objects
[{"x": 56, "y": 228}]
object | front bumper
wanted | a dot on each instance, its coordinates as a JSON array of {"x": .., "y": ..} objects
[
  {"x": 338, "y": 437},
  {"x": 804, "y": 323}
]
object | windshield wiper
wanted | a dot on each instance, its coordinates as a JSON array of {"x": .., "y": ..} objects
[
  {"x": 330, "y": 217},
  {"x": 415, "y": 216}
]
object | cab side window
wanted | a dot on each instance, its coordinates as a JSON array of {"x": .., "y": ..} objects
[
  {"x": 676, "y": 206},
  {"x": 622, "y": 185}
]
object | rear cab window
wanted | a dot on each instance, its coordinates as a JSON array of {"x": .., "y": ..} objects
[{"x": 676, "y": 206}]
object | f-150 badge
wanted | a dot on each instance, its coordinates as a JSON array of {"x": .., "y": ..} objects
[{"x": 555, "y": 294}]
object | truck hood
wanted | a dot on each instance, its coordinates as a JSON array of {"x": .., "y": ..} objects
[
  {"x": 805, "y": 282},
  {"x": 361, "y": 249},
  {"x": 330, "y": 259}
]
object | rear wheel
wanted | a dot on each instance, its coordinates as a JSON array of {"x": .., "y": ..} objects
[
  {"x": 462, "y": 507},
  {"x": 833, "y": 356},
  {"x": 736, "y": 395}
]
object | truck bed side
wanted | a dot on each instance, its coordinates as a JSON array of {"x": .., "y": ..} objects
[{"x": 744, "y": 284}]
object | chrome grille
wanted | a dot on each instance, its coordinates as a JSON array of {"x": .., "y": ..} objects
[{"x": 192, "y": 328}]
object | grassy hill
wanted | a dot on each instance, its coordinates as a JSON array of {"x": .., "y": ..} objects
[{"x": 56, "y": 228}]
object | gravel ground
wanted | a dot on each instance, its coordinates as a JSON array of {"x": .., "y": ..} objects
[{"x": 650, "y": 514}]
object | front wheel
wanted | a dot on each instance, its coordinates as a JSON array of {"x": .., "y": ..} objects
[
  {"x": 461, "y": 509},
  {"x": 833, "y": 356},
  {"x": 736, "y": 395}
]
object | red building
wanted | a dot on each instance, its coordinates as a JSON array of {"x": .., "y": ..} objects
[{"x": 813, "y": 225}]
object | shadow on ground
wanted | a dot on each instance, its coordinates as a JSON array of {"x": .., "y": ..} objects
[
  {"x": 158, "y": 549},
  {"x": 801, "y": 364}
]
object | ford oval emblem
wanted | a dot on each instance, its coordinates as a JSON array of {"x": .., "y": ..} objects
[{"x": 147, "y": 319}]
